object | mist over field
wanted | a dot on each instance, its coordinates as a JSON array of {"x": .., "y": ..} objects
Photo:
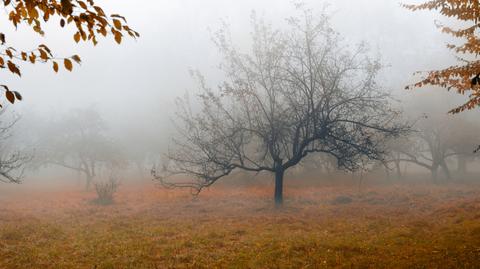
[
  {"x": 134, "y": 86},
  {"x": 240, "y": 134}
]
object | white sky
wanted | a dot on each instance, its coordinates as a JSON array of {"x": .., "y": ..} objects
[{"x": 134, "y": 84}]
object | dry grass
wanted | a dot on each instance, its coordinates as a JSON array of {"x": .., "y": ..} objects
[{"x": 388, "y": 227}]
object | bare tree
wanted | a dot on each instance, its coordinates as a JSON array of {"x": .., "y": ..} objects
[
  {"x": 430, "y": 146},
  {"x": 78, "y": 142},
  {"x": 12, "y": 160},
  {"x": 463, "y": 140},
  {"x": 298, "y": 92},
  {"x": 398, "y": 149}
]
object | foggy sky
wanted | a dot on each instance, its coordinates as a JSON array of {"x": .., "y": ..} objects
[{"x": 134, "y": 85}]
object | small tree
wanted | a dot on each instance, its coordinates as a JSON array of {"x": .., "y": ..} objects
[
  {"x": 299, "y": 92},
  {"x": 106, "y": 190}
]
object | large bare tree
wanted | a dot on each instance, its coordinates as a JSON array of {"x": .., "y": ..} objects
[{"x": 299, "y": 91}]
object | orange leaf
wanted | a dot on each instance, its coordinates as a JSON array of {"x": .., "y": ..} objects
[
  {"x": 55, "y": 67},
  {"x": 10, "y": 96},
  {"x": 117, "y": 24},
  {"x": 118, "y": 37},
  {"x": 68, "y": 64}
]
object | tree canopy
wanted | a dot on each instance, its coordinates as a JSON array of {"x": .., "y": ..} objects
[
  {"x": 88, "y": 19},
  {"x": 465, "y": 76},
  {"x": 298, "y": 92}
]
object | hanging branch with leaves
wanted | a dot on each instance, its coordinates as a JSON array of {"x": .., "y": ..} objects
[
  {"x": 464, "y": 77},
  {"x": 88, "y": 19}
]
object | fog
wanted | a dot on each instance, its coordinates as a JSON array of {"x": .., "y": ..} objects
[
  {"x": 134, "y": 160},
  {"x": 139, "y": 79},
  {"x": 134, "y": 86}
]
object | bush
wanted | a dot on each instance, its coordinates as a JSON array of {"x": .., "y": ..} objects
[{"x": 105, "y": 191}]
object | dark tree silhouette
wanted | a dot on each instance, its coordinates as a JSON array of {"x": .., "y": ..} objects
[{"x": 298, "y": 92}]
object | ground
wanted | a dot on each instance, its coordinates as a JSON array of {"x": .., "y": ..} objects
[{"x": 397, "y": 226}]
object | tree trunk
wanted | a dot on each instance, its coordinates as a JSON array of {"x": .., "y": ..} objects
[
  {"x": 398, "y": 169},
  {"x": 446, "y": 171},
  {"x": 88, "y": 181},
  {"x": 387, "y": 172},
  {"x": 433, "y": 170},
  {"x": 279, "y": 186}
]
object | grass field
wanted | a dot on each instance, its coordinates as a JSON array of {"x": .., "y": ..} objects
[{"x": 385, "y": 227}]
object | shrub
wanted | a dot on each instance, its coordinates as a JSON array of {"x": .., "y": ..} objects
[{"x": 105, "y": 191}]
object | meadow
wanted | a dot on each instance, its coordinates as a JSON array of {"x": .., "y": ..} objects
[{"x": 394, "y": 226}]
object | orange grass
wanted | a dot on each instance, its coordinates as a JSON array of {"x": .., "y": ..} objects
[{"x": 386, "y": 227}]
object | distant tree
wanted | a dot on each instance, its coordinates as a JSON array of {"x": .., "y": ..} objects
[
  {"x": 298, "y": 92},
  {"x": 12, "y": 160},
  {"x": 398, "y": 148},
  {"x": 464, "y": 77},
  {"x": 436, "y": 141},
  {"x": 319, "y": 164},
  {"x": 78, "y": 142},
  {"x": 140, "y": 148},
  {"x": 462, "y": 139},
  {"x": 429, "y": 150},
  {"x": 88, "y": 19}
]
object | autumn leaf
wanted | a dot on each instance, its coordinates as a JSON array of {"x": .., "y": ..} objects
[
  {"x": 55, "y": 67},
  {"x": 88, "y": 21},
  {"x": 464, "y": 77},
  {"x": 76, "y": 37},
  {"x": 18, "y": 96},
  {"x": 13, "y": 68},
  {"x": 67, "y": 7},
  {"x": 43, "y": 55},
  {"x": 76, "y": 58},
  {"x": 68, "y": 64},
  {"x": 82, "y": 4},
  {"x": 119, "y": 16},
  {"x": 47, "y": 49},
  {"x": 117, "y": 24},
  {"x": 118, "y": 37},
  {"x": 32, "y": 58},
  {"x": 9, "y": 53},
  {"x": 10, "y": 96}
]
